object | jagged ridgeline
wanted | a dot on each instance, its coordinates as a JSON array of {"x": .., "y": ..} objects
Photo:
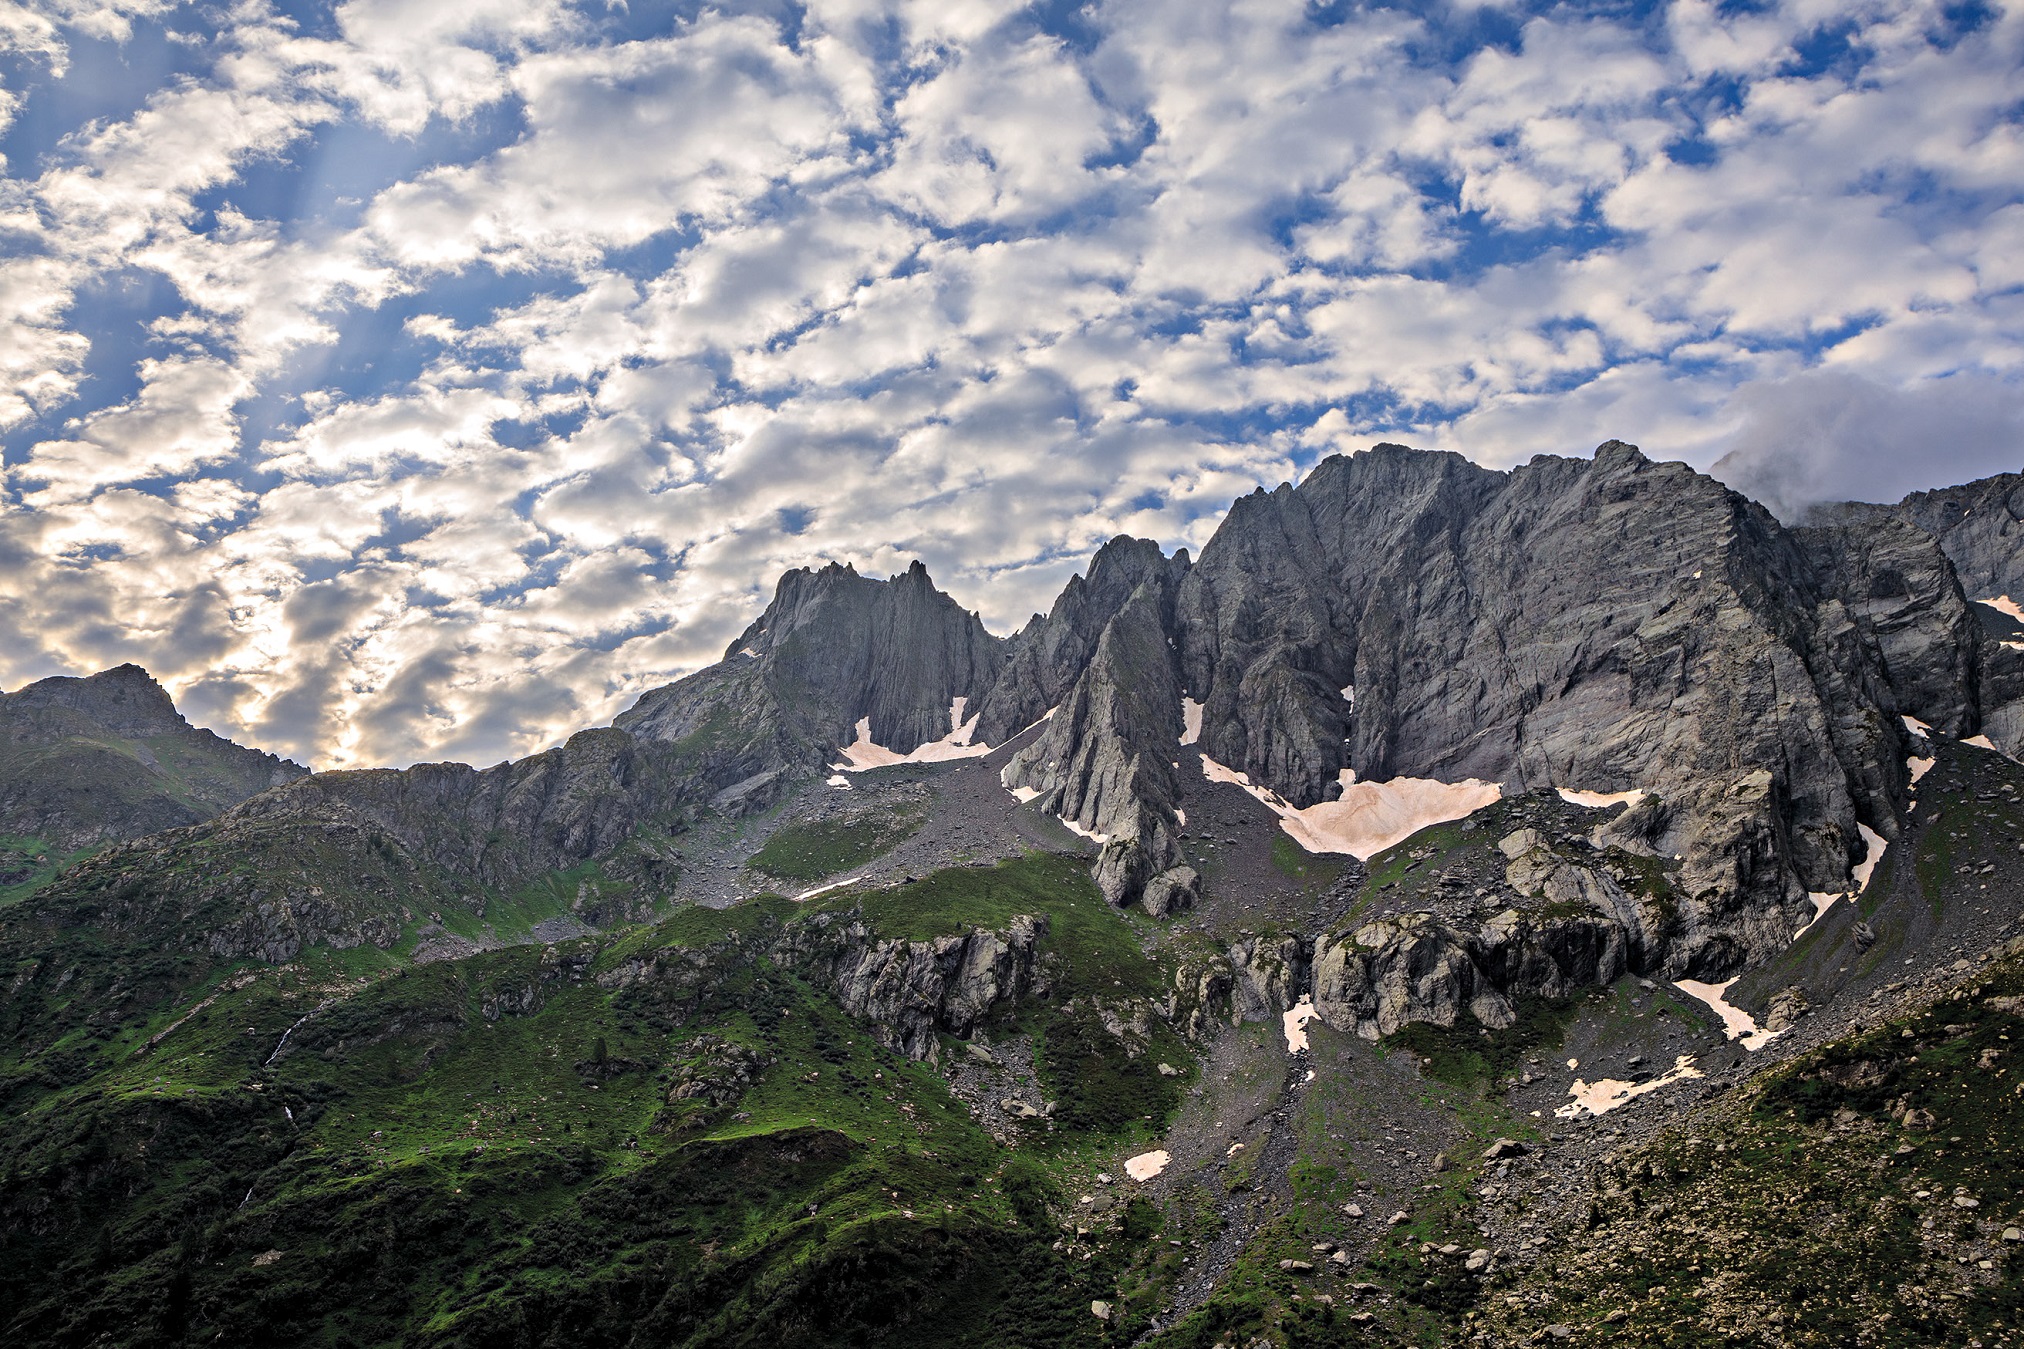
[{"x": 823, "y": 997}]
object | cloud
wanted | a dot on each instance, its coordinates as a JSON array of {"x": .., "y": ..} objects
[
  {"x": 1832, "y": 436},
  {"x": 483, "y": 363}
]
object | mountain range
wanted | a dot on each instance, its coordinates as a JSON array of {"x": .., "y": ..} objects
[{"x": 1459, "y": 906}]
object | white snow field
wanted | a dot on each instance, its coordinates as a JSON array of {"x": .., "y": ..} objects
[{"x": 864, "y": 753}]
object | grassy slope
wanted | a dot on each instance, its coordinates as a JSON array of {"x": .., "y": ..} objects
[
  {"x": 812, "y": 851},
  {"x": 485, "y": 1152}
]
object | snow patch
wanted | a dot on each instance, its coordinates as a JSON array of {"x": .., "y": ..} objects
[
  {"x": 1875, "y": 844},
  {"x": 1981, "y": 742},
  {"x": 1916, "y": 726},
  {"x": 1737, "y": 1024},
  {"x": 825, "y": 889},
  {"x": 1191, "y": 721},
  {"x": 1349, "y": 695},
  {"x": 1072, "y": 827},
  {"x": 1182, "y": 816},
  {"x": 1147, "y": 1164},
  {"x": 864, "y": 753},
  {"x": 1606, "y": 1094},
  {"x": 2003, "y": 604},
  {"x": 1822, "y": 902},
  {"x": 1597, "y": 800},
  {"x": 1024, "y": 794},
  {"x": 2012, "y": 646},
  {"x": 1919, "y": 768},
  {"x": 1294, "y": 1022},
  {"x": 748, "y": 651},
  {"x": 1370, "y": 816},
  {"x": 839, "y": 780}
]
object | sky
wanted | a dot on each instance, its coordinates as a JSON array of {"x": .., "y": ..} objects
[{"x": 407, "y": 380}]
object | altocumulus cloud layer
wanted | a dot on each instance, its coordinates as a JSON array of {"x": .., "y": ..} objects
[{"x": 410, "y": 379}]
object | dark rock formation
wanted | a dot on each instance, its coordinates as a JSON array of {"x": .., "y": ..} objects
[
  {"x": 1897, "y": 584},
  {"x": 1044, "y": 659},
  {"x": 832, "y": 648},
  {"x": 1979, "y": 524},
  {"x": 911, "y": 992},
  {"x": 1105, "y": 759}
]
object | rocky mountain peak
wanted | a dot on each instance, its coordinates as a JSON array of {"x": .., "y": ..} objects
[{"x": 125, "y": 700}]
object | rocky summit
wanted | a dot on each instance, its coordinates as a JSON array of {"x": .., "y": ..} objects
[{"x": 1457, "y": 907}]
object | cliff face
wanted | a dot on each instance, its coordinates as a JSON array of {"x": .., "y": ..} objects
[
  {"x": 833, "y": 648},
  {"x": 1046, "y": 658},
  {"x": 1979, "y": 525}
]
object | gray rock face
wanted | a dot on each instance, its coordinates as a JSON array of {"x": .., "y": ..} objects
[
  {"x": 1044, "y": 659},
  {"x": 1980, "y": 525},
  {"x": 832, "y": 648},
  {"x": 1272, "y": 619},
  {"x": 105, "y": 758},
  {"x": 1598, "y": 625},
  {"x": 1106, "y": 759},
  {"x": 1899, "y": 587},
  {"x": 1268, "y": 975},
  {"x": 910, "y": 992}
]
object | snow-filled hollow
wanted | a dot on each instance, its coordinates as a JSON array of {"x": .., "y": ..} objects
[
  {"x": 2003, "y": 604},
  {"x": 1369, "y": 816},
  {"x": 864, "y": 753},
  {"x": 1094, "y": 836},
  {"x": 1606, "y": 1094},
  {"x": 1737, "y": 1024},
  {"x": 1191, "y": 721},
  {"x": 1822, "y": 901},
  {"x": 1147, "y": 1164},
  {"x": 1600, "y": 800},
  {"x": 825, "y": 889},
  {"x": 1294, "y": 1022},
  {"x": 1874, "y": 844}
]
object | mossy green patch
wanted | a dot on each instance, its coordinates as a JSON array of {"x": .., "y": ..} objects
[
  {"x": 1469, "y": 1054},
  {"x": 811, "y": 851}
]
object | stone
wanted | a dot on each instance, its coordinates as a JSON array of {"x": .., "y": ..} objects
[
  {"x": 1503, "y": 1148},
  {"x": 1352, "y": 1210},
  {"x": 1478, "y": 1261},
  {"x": 1100, "y": 1310}
]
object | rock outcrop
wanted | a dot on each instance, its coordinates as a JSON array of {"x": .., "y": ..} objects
[
  {"x": 1046, "y": 658},
  {"x": 911, "y": 992}
]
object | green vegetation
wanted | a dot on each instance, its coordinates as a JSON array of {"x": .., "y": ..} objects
[
  {"x": 663, "y": 1133},
  {"x": 808, "y": 852},
  {"x": 1469, "y": 1054},
  {"x": 1092, "y": 945},
  {"x": 1318, "y": 869},
  {"x": 28, "y": 864}
]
